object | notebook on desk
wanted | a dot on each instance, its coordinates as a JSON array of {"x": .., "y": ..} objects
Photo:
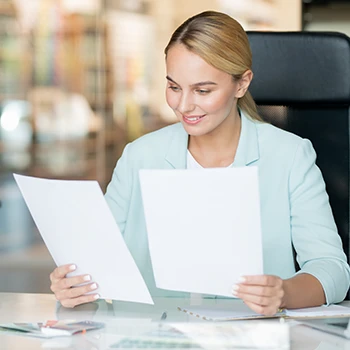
[{"x": 239, "y": 311}]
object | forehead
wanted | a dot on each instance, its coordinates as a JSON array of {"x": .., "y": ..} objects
[{"x": 184, "y": 66}]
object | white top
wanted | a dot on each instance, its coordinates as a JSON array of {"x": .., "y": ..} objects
[{"x": 193, "y": 164}]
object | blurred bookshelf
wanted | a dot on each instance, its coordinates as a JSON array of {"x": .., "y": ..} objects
[
  {"x": 83, "y": 74},
  {"x": 14, "y": 71},
  {"x": 57, "y": 95}
]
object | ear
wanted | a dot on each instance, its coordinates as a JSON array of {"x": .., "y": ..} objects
[{"x": 243, "y": 83}]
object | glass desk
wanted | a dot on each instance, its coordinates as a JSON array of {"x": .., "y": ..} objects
[{"x": 126, "y": 322}]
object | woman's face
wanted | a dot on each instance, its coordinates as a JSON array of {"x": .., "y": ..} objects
[{"x": 203, "y": 98}]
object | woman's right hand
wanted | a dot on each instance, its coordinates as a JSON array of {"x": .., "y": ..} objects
[{"x": 68, "y": 290}]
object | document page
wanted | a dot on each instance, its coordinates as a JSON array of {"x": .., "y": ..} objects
[
  {"x": 78, "y": 227},
  {"x": 203, "y": 227}
]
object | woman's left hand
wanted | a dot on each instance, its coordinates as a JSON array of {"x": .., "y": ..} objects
[{"x": 263, "y": 293}]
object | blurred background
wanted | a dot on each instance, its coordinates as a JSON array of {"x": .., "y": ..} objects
[{"x": 81, "y": 78}]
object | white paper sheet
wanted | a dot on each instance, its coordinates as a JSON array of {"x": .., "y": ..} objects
[
  {"x": 203, "y": 227},
  {"x": 78, "y": 227}
]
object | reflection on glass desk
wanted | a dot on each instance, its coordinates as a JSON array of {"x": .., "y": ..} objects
[{"x": 159, "y": 326}]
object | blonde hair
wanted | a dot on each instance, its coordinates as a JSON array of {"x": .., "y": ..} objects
[{"x": 222, "y": 42}]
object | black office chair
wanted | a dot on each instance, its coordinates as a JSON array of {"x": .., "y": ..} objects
[{"x": 302, "y": 84}]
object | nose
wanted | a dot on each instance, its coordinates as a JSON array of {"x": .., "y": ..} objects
[{"x": 186, "y": 103}]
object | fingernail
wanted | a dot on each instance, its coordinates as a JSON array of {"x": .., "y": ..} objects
[
  {"x": 235, "y": 287},
  {"x": 72, "y": 267},
  {"x": 87, "y": 278},
  {"x": 241, "y": 279},
  {"x": 96, "y": 296},
  {"x": 93, "y": 286}
]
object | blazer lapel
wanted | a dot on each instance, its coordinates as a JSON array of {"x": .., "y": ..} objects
[
  {"x": 176, "y": 155},
  {"x": 248, "y": 145}
]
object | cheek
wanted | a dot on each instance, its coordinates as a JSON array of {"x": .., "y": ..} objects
[
  {"x": 217, "y": 103},
  {"x": 171, "y": 99}
]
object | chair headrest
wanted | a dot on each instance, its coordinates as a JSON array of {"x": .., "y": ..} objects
[{"x": 300, "y": 68}]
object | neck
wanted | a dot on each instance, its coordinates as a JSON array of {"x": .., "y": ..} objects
[{"x": 217, "y": 149}]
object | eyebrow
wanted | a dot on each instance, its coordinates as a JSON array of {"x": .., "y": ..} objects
[{"x": 201, "y": 83}]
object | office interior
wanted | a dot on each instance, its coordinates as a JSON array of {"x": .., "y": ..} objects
[{"x": 82, "y": 78}]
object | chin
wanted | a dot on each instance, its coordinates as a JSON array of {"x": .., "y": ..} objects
[{"x": 195, "y": 131}]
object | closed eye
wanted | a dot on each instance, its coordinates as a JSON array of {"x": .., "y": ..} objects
[
  {"x": 203, "y": 91},
  {"x": 174, "y": 88}
]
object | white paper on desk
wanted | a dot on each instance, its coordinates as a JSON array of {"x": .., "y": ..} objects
[
  {"x": 78, "y": 227},
  {"x": 203, "y": 227}
]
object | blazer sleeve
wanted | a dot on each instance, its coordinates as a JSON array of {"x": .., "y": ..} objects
[
  {"x": 314, "y": 233},
  {"x": 118, "y": 192}
]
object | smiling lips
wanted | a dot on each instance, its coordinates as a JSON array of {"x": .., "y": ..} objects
[{"x": 192, "y": 119}]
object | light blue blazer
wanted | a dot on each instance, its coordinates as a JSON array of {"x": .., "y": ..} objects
[{"x": 295, "y": 210}]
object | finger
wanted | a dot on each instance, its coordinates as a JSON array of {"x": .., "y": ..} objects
[
  {"x": 68, "y": 282},
  {"x": 70, "y": 303},
  {"x": 262, "y": 310},
  {"x": 274, "y": 301},
  {"x": 262, "y": 280},
  {"x": 73, "y": 293},
  {"x": 61, "y": 271},
  {"x": 265, "y": 291}
]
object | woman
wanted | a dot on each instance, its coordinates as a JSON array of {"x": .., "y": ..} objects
[{"x": 208, "y": 62}]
